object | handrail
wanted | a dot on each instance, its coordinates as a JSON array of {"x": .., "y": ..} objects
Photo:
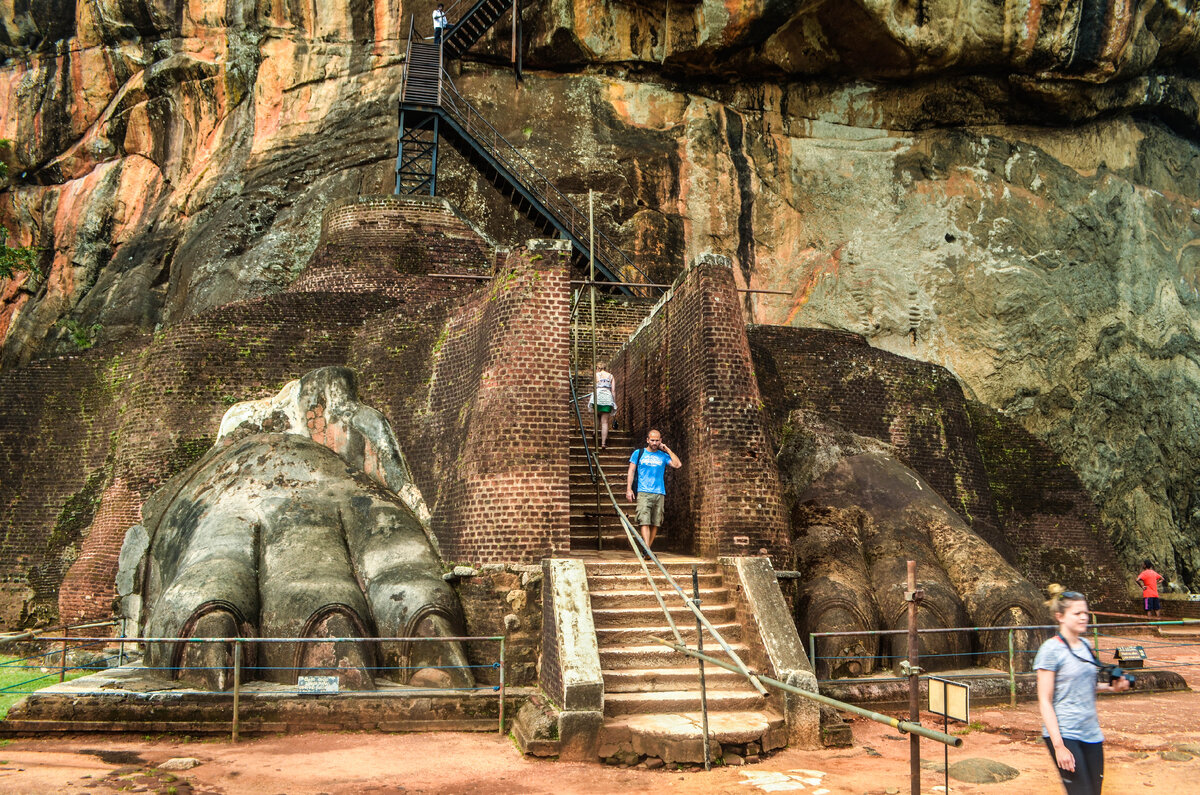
[
  {"x": 634, "y": 541},
  {"x": 895, "y": 723},
  {"x": 532, "y": 178},
  {"x": 579, "y": 419},
  {"x": 412, "y": 29}
]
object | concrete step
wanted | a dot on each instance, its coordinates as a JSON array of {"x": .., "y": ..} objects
[
  {"x": 657, "y": 680},
  {"x": 641, "y": 636},
  {"x": 642, "y": 597},
  {"x": 616, "y": 658},
  {"x": 682, "y": 701},
  {"x": 634, "y": 617},
  {"x": 677, "y": 738}
]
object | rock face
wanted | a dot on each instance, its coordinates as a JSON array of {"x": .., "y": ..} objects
[{"x": 1007, "y": 189}]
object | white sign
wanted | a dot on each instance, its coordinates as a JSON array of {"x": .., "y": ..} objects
[
  {"x": 317, "y": 684},
  {"x": 951, "y": 699}
]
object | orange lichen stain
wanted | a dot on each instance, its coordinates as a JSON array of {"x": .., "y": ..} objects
[
  {"x": 371, "y": 463},
  {"x": 645, "y": 106},
  {"x": 1033, "y": 22},
  {"x": 11, "y": 306},
  {"x": 816, "y": 265}
]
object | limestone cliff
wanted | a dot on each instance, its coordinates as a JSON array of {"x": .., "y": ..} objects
[{"x": 1008, "y": 189}]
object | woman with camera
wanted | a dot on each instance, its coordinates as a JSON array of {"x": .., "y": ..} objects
[{"x": 1066, "y": 685}]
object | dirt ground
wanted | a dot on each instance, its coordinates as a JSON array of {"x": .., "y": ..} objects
[{"x": 1140, "y": 729}]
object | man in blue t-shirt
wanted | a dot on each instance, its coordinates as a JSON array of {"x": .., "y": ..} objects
[{"x": 649, "y": 465}]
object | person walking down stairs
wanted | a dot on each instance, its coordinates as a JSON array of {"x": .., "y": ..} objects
[
  {"x": 604, "y": 398},
  {"x": 649, "y": 465},
  {"x": 440, "y": 23}
]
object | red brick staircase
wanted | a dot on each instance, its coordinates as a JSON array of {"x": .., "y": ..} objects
[{"x": 651, "y": 693}]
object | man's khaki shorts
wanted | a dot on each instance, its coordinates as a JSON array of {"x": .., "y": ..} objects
[{"x": 650, "y": 508}]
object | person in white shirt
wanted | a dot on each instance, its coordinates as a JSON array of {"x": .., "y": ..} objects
[{"x": 440, "y": 23}]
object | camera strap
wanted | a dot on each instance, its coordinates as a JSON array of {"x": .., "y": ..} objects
[{"x": 1070, "y": 651}]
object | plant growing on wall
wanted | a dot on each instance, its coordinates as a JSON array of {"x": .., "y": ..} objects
[{"x": 15, "y": 259}]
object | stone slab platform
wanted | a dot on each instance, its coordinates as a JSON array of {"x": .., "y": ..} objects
[
  {"x": 130, "y": 699},
  {"x": 987, "y": 687}
]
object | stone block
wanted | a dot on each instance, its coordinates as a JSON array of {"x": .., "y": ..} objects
[{"x": 579, "y": 735}]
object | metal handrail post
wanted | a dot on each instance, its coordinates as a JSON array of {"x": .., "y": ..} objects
[
  {"x": 595, "y": 395},
  {"x": 700, "y": 661}
]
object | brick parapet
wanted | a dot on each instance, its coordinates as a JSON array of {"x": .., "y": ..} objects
[
  {"x": 499, "y": 388},
  {"x": 687, "y": 371}
]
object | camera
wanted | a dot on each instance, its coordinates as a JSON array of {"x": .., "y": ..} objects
[{"x": 1110, "y": 672}]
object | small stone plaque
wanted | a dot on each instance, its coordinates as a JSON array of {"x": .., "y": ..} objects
[
  {"x": 1130, "y": 656},
  {"x": 317, "y": 684}
]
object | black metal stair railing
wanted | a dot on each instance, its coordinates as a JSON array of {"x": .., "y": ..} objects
[
  {"x": 569, "y": 216},
  {"x": 469, "y": 28}
]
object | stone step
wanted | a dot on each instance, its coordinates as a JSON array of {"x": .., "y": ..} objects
[
  {"x": 632, "y": 636},
  {"x": 652, "y": 616},
  {"x": 616, "y": 658},
  {"x": 678, "y": 738},
  {"x": 656, "y": 680},
  {"x": 614, "y": 598},
  {"x": 679, "y": 567},
  {"x": 682, "y": 701},
  {"x": 708, "y": 580}
]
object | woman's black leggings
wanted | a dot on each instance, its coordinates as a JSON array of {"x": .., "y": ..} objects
[{"x": 1088, "y": 777}]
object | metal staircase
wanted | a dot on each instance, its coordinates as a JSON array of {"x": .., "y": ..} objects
[
  {"x": 431, "y": 109},
  {"x": 472, "y": 25}
]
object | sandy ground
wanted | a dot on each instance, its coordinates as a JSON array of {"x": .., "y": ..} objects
[{"x": 1140, "y": 728}]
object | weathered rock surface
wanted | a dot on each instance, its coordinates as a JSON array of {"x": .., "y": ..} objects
[
  {"x": 290, "y": 532},
  {"x": 1009, "y": 189}
]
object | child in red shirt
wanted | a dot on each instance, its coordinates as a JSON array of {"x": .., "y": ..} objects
[{"x": 1149, "y": 579}]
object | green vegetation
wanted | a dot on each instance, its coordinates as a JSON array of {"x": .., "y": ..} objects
[
  {"x": 84, "y": 337},
  {"x": 16, "y": 681},
  {"x": 15, "y": 259}
]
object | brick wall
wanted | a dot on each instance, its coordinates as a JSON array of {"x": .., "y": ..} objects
[
  {"x": 501, "y": 469},
  {"x": 1051, "y": 522},
  {"x": 687, "y": 371},
  {"x": 85, "y": 439}
]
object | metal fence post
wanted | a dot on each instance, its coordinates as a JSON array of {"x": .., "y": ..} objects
[
  {"x": 501, "y": 730},
  {"x": 237, "y": 685},
  {"x": 812, "y": 652},
  {"x": 121, "y": 646},
  {"x": 62, "y": 664},
  {"x": 1012, "y": 672}
]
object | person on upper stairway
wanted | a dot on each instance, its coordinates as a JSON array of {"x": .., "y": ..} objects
[
  {"x": 604, "y": 398},
  {"x": 440, "y": 23}
]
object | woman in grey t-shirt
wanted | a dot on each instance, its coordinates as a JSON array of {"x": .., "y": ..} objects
[{"x": 1066, "y": 684}]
